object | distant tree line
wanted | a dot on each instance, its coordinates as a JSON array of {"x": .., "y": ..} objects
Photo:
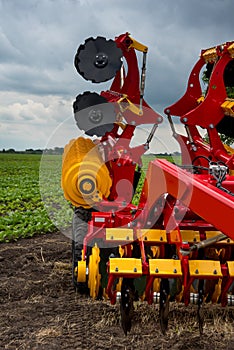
[
  {"x": 59, "y": 150},
  {"x": 55, "y": 150}
]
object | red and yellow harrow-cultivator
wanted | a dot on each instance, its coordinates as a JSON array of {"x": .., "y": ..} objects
[{"x": 177, "y": 243}]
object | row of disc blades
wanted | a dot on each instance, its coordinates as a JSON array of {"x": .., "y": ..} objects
[{"x": 97, "y": 60}]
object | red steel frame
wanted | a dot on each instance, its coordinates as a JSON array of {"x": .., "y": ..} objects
[
  {"x": 197, "y": 193},
  {"x": 206, "y": 114}
]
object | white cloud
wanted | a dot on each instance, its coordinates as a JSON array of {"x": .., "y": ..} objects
[{"x": 38, "y": 41}]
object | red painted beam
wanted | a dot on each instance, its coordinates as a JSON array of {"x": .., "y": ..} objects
[{"x": 212, "y": 204}]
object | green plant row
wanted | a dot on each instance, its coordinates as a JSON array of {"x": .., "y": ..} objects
[
  {"x": 22, "y": 212},
  {"x": 31, "y": 198}
]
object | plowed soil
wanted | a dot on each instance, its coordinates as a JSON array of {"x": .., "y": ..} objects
[{"x": 40, "y": 309}]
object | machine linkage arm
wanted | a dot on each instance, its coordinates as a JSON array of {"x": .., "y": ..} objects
[{"x": 203, "y": 244}]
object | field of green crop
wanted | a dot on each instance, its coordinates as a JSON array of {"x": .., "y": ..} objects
[
  {"x": 22, "y": 212},
  {"x": 31, "y": 199}
]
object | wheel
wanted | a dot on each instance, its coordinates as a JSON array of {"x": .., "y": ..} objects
[
  {"x": 78, "y": 272},
  {"x": 80, "y": 227},
  {"x": 74, "y": 265},
  {"x": 94, "y": 275}
]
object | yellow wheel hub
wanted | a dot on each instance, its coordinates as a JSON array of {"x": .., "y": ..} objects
[
  {"x": 81, "y": 271},
  {"x": 94, "y": 276}
]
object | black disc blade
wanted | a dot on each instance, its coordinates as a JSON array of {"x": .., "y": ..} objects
[
  {"x": 94, "y": 114},
  {"x": 98, "y": 59}
]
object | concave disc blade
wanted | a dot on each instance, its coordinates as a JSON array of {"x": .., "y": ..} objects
[
  {"x": 94, "y": 114},
  {"x": 98, "y": 59}
]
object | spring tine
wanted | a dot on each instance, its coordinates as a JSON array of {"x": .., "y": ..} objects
[
  {"x": 126, "y": 305},
  {"x": 164, "y": 305},
  {"x": 200, "y": 313}
]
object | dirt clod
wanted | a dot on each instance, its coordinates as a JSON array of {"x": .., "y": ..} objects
[{"x": 40, "y": 310}]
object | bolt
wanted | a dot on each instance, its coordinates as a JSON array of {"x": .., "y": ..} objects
[
  {"x": 156, "y": 270},
  {"x": 168, "y": 111},
  {"x": 185, "y": 120},
  {"x": 215, "y": 272},
  {"x": 159, "y": 119},
  {"x": 116, "y": 269},
  {"x": 119, "y": 164},
  {"x": 135, "y": 269},
  {"x": 211, "y": 126},
  {"x": 112, "y": 237},
  {"x": 175, "y": 271},
  {"x": 127, "y": 238},
  {"x": 161, "y": 238},
  {"x": 194, "y": 148},
  {"x": 196, "y": 272}
]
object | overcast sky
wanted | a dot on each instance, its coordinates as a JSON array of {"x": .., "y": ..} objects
[{"x": 39, "y": 38}]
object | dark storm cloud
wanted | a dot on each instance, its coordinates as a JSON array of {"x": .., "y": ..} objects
[
  {"x": 38, "y": 41},
  {"x": 44, "y": 35}
]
